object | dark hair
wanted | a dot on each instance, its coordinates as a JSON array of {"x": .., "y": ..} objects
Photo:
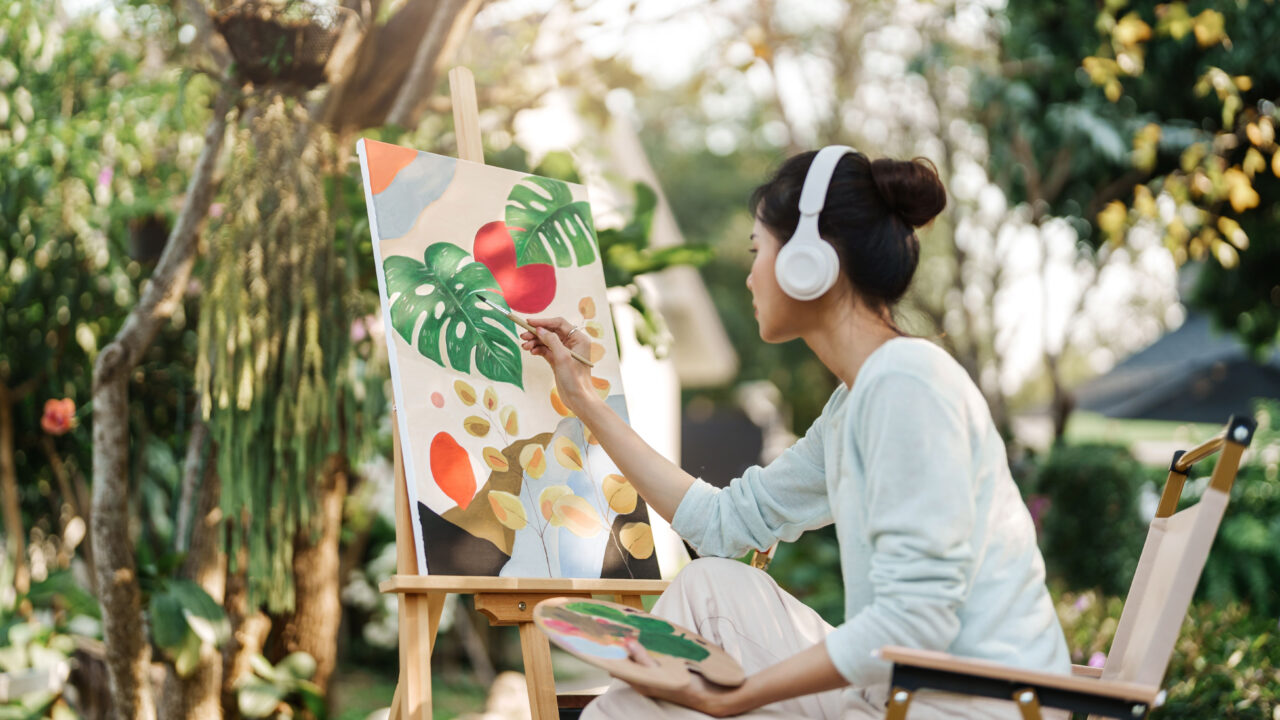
[{"x": 871, "y": 212}]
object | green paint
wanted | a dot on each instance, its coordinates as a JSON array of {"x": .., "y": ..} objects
[{"x": 656, "y": 635}]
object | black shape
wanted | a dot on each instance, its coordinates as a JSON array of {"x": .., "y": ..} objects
[
  {"x": 454, "y": 551},
  {"x": 613, "y": 564}
]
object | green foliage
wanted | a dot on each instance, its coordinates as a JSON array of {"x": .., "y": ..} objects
[
  {"x": 35, "y": 650},
  {"x": 547, "y": 225},
  {"x": 274, "y": 690},
  {"x": 184, "y": 620},
  {"x": 1091, "y": 531},
  {"x": 446, "y": 287},
  {"x": 1226, "y": 663},
  {"x": 809, "y": 568}
]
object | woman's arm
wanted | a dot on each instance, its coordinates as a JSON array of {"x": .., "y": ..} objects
[
  {"x": 659, "y": 481},
  {"x": 807, "y": 672}
]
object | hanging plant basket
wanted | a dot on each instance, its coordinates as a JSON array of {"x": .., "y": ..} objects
[{"x": 281, "y": 41}]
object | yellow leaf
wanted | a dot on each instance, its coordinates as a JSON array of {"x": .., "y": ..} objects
[
  {"x": 1112, "y": 220},
  {"x": 591, "y": 439},
  {"x": 637, "y": 538},
  {"x": 602, "y": 387},
  {"x": 1253, "y": 163},
  {"x": 547, "y": 502},
  {"x": 466, "y": 393},
  {"x": 1210, "y": 28},
  {"x": 567, "y": 453},
  {"x": 534, "y": 461},
  {"x": 1132, "y": 30},
  {"x": 1232, "y": 231},
  {"x": 597, "y": 352},
  {"x": 510, "y": 420},
  {"x": 1144, "y": 202},
  {"x": 494, "y": 458},
  {"x": 1240, "y": 191},
  {"x": 594, "y": 330},
  {"x": 587, "y": 307},
  {"x": 619, "y": 493},
  {"x": 476, "y": 425},
  {"x": 577, "y": 515},
  {"x": 507, "y": 508},
  {"x": 490, "y": 399},
  {"x": 1227, "y": 255},
  {"x": 1244, "y": 83}
]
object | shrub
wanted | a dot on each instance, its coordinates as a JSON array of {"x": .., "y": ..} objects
[{"x": 1091, "y": 532}]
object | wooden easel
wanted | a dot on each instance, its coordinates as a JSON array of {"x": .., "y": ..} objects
[{"x": 505, "y": 601}]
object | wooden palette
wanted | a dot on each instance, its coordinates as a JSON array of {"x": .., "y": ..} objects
[{"x": 597, "y": 631}]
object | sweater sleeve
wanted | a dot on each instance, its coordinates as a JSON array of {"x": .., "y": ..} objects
[
  {"x": 766, "y": 505},
  {"x": 919, "y": 517}
]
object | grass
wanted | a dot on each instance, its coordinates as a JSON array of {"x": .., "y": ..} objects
[
  {"x": 354, "y": 693},
  {"x": 1085, "y": 427}
]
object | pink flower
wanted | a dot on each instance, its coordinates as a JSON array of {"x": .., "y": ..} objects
[
  {"x": 105, "y": 176},
  {"x": 59, "y": 416},
  {"x": 216, "y": 210},
  {"x": 1098, "y": 659}
]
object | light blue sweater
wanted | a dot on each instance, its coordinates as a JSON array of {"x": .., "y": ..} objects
[{"x": 936, "y": 547}]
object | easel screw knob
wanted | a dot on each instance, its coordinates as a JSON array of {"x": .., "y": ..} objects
[
  {"x": 1241, "y": 432},
  {"x": 522, "y": 606},
  {"x": 1026, "y": 697}
]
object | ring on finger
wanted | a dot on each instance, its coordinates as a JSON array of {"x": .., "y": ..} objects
[{"x": 576, "y": 328}]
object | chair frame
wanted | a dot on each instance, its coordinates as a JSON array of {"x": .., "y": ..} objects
[{"x": 1084, "y": 690}]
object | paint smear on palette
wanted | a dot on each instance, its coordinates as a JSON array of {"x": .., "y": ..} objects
[
  {"x": 656, "y": 635},
  {"x": 586, "y": 646}
]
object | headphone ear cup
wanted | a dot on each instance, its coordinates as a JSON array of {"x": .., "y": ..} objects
[{"x": 806, "y": 267}]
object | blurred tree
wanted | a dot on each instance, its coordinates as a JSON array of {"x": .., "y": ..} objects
[{"x": 1091, "y": 118}]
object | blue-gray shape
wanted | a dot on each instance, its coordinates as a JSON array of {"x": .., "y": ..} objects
[{"x": 415, "y": 187}]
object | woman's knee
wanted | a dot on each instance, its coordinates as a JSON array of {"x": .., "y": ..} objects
[{"x": 721, "y": 573}]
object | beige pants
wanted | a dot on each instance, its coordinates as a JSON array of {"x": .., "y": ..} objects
[{"x": 744, "y": 611}]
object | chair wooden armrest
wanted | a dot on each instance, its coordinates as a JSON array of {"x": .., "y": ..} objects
[
  {"x": 1086, "y": 671},
  {"x": 926, "y": 669}
]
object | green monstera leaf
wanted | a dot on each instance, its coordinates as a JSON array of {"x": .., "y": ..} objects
[
  {"x": 437, "y": 302},
  {"x": 547, "y": 225}
]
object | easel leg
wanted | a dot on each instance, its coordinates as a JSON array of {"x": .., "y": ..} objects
[
  {"x": 419, "y": 621},
  {"x": 537, "y": 672}
]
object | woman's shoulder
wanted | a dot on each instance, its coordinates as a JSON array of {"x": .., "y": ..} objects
[{"x": 911, "y": 356}]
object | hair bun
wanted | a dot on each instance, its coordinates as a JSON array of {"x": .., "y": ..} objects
[{"x": 911, "y": 189}]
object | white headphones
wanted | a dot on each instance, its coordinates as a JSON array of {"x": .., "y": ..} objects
[{"x": 807, "y": 266}]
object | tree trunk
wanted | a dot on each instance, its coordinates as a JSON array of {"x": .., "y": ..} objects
[
  {"x": 16, "y": 544},
  {"x": 123, "y": 626},
  {"x": 199, "y": 697},
  {"x": 313, "y": 626},
  {"x": 248, "y": 634}
]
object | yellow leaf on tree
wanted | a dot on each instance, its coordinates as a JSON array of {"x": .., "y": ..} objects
[
  {"x": 507, "y": 508},
  {"x": 1253, "y": 163},
  {"x": 1240, "y": 191},
  {"x": 1112, "y": 220},
  {"x": 567, "y": 453},
  {"x": 476, "y": 425},
  {"x": 510, "y": 420},
  {"x": 637, "y": 538},
  {"x": 547, "y": 502},
  {"x": 577, "y": 515},
  {"x": 1132, "y": 30},
  {"x": 466, "y": 393},
  {"x": 1210, "y": 28},
  {"x": 534, "y": 461},
  {"x": 1275, "y": 163},
  {"x": 1144, "y": 202},
  {"x": 619, "y": 493},
  {"x": 494, "y": 458},
  {"x": 1234, "y": 234}
]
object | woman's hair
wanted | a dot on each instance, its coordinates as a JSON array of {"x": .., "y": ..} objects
[{"x": 871, "y": 212}]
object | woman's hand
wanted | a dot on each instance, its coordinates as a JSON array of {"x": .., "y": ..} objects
[
  {"x": 705, "y": 697},
  {"x": 552, "y": 343}
]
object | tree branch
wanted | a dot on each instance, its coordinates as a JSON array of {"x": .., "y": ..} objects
[
  {"x": 128, "y": 649},
  {"x": 448, "y": 25}
]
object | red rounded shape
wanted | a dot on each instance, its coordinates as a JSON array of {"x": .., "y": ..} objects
[
  {"x": 437, "y": 399},
  {"x": 527, "y": 289},
  {"x": 451, "y": 469}
]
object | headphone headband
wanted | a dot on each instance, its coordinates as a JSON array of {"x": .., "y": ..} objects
[{"x": 807, "y": 266}]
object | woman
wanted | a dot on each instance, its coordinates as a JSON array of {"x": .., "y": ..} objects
[{"x": 937, "y": 549}]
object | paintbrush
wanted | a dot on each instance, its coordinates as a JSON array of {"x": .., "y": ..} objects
[{"x": 525, "y": 324}]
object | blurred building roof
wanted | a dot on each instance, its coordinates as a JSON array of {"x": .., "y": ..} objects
[{"x": 1192, "y": 374}]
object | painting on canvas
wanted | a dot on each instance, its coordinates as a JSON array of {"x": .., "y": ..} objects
[{"x": 505, "y": 479}]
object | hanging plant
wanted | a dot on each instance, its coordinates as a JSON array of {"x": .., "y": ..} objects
[
  {"x": 274, "y": 338},
  {"x": 287, "y": 41}
]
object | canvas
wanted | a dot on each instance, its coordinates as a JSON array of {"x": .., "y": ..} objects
[{"x": 505, "y": 479}]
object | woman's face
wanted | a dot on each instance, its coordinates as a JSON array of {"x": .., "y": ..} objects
[{"x": 776, "y": 312}]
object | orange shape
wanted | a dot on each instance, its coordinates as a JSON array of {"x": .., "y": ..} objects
[{"x": 385, "y": 160}]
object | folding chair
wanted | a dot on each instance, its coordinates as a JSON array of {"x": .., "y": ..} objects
[{"x": 1128, "y": 686}]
